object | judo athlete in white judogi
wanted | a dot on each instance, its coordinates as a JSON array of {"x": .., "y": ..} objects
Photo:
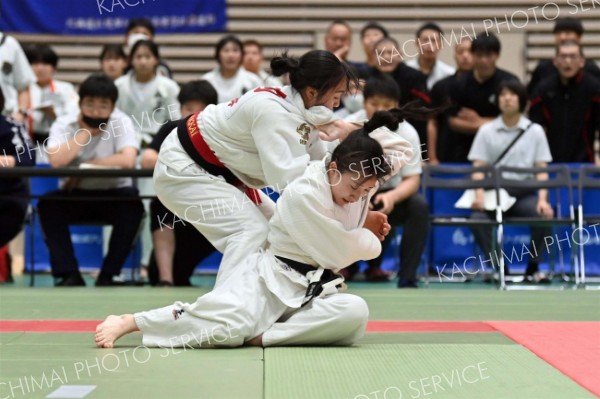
[
  {"x": 322, "y": 223},
  {"x": 208, "y": 170}
]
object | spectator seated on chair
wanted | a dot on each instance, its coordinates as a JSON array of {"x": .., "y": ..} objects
[
  {"x": 178, "y": 246},
  {"x": 50, "y": 98},
  {"x": 398, "y": 197},
  {"x": 15, "y": 150},
  {"x": 144, "y": 94},
  {"x": 529, "y": 149},
  {"x": 100, "y": 135}
]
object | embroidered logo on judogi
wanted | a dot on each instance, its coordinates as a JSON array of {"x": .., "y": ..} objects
[
  {"x": 177, "y": 313},
  {"x": 304, "y": 131},
  {"x": 7, "y": 68}
]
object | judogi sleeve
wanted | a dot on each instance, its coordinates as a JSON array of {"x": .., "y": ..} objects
[
  {"x": 314, "y": 229},
  {"x": 23, "y": 74},
  {"x": 275, "y": 136}
]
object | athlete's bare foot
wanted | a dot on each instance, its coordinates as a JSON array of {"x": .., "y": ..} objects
[
  {"x": 113, "y": 328},
  {"x": 256, "y": 341}
]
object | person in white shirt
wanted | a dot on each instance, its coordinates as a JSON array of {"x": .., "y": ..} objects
[
  {"x": 208, "y": 169},
  {"x": 253, "y": 61},
  {"x": 429, "y": 43},
  {"x": 97, "y": 134},
  {"x": 229, "y": 78},
  {"x": 147, "y": 97},
  {"x": 322, "y": 223},
  {"x": 50, "y": 98},
  {"x": 530, "y": 150},
  {"x": 15, "y": 78}
]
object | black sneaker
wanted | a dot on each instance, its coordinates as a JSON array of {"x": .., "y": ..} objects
[{"x": 70, "y": 280}]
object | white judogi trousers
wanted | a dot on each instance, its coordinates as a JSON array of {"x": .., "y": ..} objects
[
  {"x": 224, "y": 214},
  {"x": 263, "y": 297}
]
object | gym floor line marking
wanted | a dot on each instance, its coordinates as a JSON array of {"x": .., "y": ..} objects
[{"x": 72, "y": 391}]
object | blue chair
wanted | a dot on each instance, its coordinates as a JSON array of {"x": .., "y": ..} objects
[
  {"x": 450, "y": 181},
  {"x": 589, "y": 180}
]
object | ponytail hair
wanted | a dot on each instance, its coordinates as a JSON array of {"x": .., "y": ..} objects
[
  {"x": 318, "y": 69},
  {"x": 284, "y": 64},
  {"x": 362, "y": 154},
  {"x": 412, "y": 110},
  {"x": 389, "y": 119}
]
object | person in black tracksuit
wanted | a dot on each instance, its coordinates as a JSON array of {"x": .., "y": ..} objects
[
  {"x": 568, "y": 107},
  {"x": 565, "y": 29}
]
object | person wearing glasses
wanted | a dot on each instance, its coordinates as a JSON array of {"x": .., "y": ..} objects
[{"x": 567, "y": 105}]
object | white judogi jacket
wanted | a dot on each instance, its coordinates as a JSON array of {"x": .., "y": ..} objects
[
  {"x": 266, "y": 138},
  {"x": 309, "y": 227},
  {"x": 234, "y": 87},
  {"x": 264, "y": 291},
  {"x": 269, "y": 80},
  {"x": 148, "y": 116},
  {"x": 15, "y": 72}
]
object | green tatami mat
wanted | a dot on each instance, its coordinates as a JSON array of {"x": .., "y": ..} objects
[
  {"x": 414, "y": 371},
  {"x": 495, "y": 338},
  {"x": 423, "y": 304},
  {"x": 384, "y": 304},
  {"x": 36, "y": 364}
]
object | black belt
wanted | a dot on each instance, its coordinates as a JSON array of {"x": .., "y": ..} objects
[
  {"x": 315, "y": 287},
  {"x": 300, "y": 267},
  {"x": 188, "y": 146},
  {"x": 39, "y": 136}
]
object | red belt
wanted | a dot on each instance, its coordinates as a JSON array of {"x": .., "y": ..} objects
[{"x": 209, "y": 156}]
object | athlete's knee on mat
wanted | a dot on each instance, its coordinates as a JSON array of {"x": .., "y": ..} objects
[
  {"x": 359, "y": 311},
  {"x": 353, "y": 310}
]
